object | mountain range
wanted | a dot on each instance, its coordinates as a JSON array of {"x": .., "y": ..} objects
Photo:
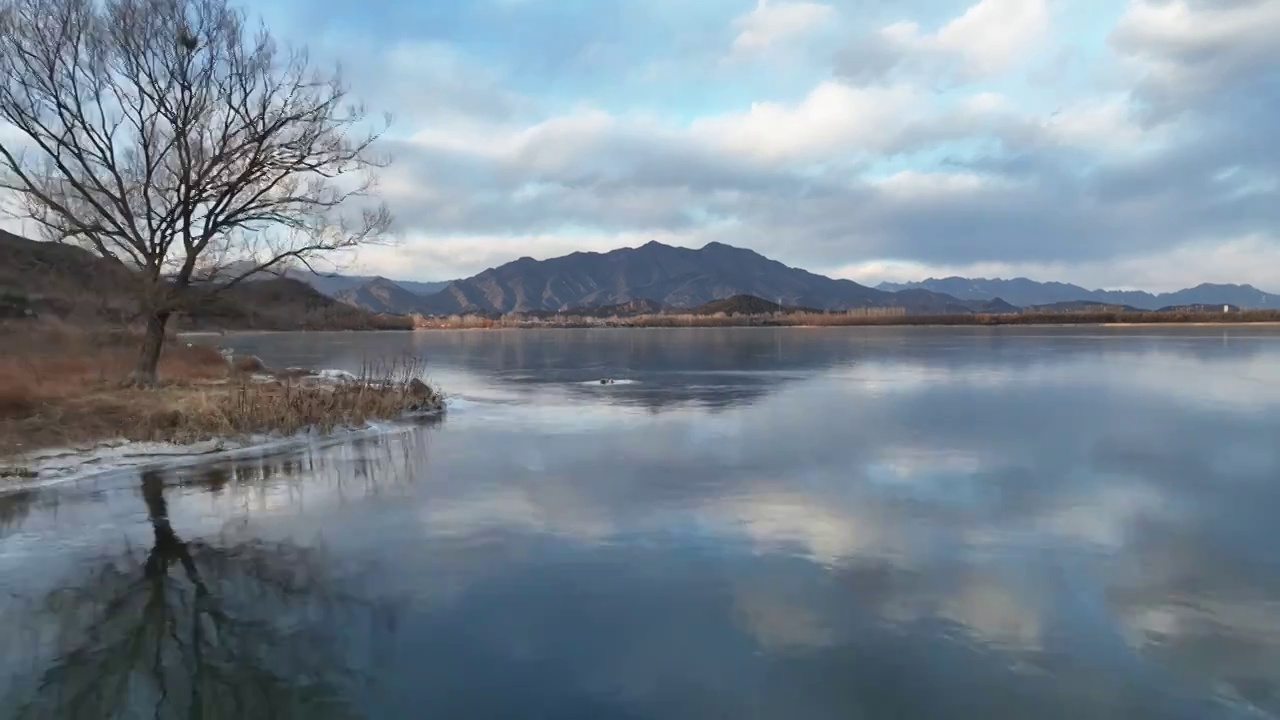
[
  {"x": 334, "y": 284},
  {"x": 677, "y": 277},
  {"x": 1024, "y": 293},
  {"x": 644, "y": 280},
  {"x": 673, "y": 277}
]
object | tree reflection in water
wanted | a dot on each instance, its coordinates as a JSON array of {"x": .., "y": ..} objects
[
  {"x": 14, "y": 508},
  {"x": 219, "y": 628}
]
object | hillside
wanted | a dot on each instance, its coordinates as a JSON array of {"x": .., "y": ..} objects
[
  {"x": 283, "y": 304},
  {"x": 62, "y": 279},
  {"x": 998, "y": 306},
  {"x": 381, "y": 295},
  {"x": 1209, "y": 295},
  {"x": 334, "y": 285},
  {"x": 738, "y": 305},
  {"x": 626, "y": 309},
  {"x": 1024, "y": 292},
  {"x": 672, "y": 276},
  {"x": 338, "y": 286},
  {"x": 1080, "y": 306},
  {"x": 73, "y": 284}
]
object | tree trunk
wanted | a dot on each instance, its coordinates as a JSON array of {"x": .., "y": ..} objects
[{"x": 144, "y": 373}]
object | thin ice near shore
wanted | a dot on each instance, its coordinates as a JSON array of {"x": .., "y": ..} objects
[{"x": 59, "y": 465}]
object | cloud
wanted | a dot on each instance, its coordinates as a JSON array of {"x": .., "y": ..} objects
[
  {"x": 589, "y": 168},
  {"x": 798, "y": 180},
  {"x": 936, "y": 142},
  {"x": 994, "y": 34},
  {"x": 990, "y": 37},
  {"x": 832, "y": 118},
  {"x": 432, "y": 81},
  {"x": 1188, "y": 52},
  {"x": 772, "y": 23}
]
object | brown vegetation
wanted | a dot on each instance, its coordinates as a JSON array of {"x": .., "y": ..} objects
[
  {"x": 63, "y": 386},
  {"x": 859, "y": 317}
]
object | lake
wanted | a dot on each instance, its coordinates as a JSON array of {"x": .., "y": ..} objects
[{"x": 749, "y": 523}]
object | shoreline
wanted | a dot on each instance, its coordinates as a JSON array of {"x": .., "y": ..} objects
[
  {"x": 852, "y": 318},
  {"x": 103, "y": 459},
  {"x": 722, "y": 326},
  {"x": 63, "y": 395},
  {"x": 1255, "y": 323}
]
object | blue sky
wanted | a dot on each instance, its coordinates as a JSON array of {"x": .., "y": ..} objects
[{"x": 1125, "y": 143}]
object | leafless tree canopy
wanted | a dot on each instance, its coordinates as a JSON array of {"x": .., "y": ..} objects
[{"x": 173, "y": 138}]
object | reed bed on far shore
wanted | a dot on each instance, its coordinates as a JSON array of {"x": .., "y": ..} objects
[{"x": 857, "y": 318}]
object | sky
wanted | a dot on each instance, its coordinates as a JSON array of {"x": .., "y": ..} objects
[{"x": 1115, "y": 143}]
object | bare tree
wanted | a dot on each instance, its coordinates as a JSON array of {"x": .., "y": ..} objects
[{"x": 174, "y": 139}]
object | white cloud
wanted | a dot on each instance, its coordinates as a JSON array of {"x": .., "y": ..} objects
[
  {"x": 990, "y": 37},
  {"x": 1159, "y": 176},
  {"x": 1099, "y": 123},
  {"x": 987, "y": 103},
  {"x": 1176, "y": 27},
  {"x": 1184, "y": 50},
  {"x": 834, "y": 117},
  {"x": 994, "y": 34},
  {"x": 552, "y": 143},
  {"x": 772, "y": 23},
  {"x": 831, "y": 119},
  {"x": 1050, "y": 193}
]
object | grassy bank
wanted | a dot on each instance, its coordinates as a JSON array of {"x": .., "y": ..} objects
[
  {"x": 61, "y": 386},
  {"x": 849, "y": 319}
]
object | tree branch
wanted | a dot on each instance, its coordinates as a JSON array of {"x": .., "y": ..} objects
[{"x": 167, "y": 136}]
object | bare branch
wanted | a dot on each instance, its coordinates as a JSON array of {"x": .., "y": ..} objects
[{"x": 170, "y": 136}]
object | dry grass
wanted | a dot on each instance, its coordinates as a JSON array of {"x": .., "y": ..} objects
[
  {"x": 60, "y": 386},
  {"x": 859, "y": 317},
  {"x": 54, "y": 362}
]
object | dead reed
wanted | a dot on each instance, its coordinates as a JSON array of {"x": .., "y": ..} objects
[
  {"x": 62, "y": 386},
  {"x": 854, "y": 318}
]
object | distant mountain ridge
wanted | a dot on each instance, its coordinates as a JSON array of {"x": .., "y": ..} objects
[
  {"x": 1024, "y": 292},
  {"x": 675, "y": 277},
  {"x": 661, "y": 276},
  {"x": 336, "y": 285},
  {"x": 333, "y": 284},
  {"x": 381, "y": 295}
]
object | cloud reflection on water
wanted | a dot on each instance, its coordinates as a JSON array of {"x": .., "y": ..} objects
[{"x": 1074, "y": 529}]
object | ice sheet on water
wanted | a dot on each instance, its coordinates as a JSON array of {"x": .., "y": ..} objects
[
  {"x": 69, "y": 463},
  {"x": 338, "y": 375},
  {"x": 59, "y": 465}
]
